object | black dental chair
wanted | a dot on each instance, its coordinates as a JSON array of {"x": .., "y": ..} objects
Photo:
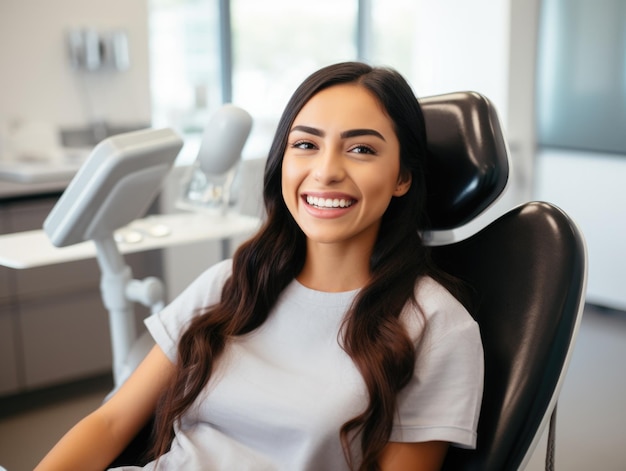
[{"x": 527, "y": 271}]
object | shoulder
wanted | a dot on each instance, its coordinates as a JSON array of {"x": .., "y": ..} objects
[
  {"x": 432, "y": 295},
  {"x": 442, "y": 401},
  {"x": 437, "y": 312},
  {"x": 167, "y": 325},
  {"x": 204, "y": 291},
  {"x": 214, "y": 277}
]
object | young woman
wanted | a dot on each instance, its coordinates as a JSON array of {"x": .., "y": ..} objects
[{"x": 330, "y": 341}]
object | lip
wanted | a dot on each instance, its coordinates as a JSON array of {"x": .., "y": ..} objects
[{"x": 327, "y": 212}]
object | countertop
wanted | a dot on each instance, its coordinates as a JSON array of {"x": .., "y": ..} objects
[
  {"x": 33, "y": 248},
  {"x": 9, "y": 189},
  {"x": 30, "y": 178},
  {"x": 19, "y": 179}
]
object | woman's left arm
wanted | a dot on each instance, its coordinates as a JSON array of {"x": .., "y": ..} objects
[{"x": 424, "y": 456}]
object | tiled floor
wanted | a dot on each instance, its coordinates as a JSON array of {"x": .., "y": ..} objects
[
  {"x": 26, "y": 436},
  {"x": 590, "y": 430},
  {"x": 591, "y": 424}
]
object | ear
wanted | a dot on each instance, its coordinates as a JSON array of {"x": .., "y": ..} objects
[{"x": 404, "y": 183}]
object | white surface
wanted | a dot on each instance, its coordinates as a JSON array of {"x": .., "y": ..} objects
[
  {"x": 38, "y": 81},
  {"x": 59, "y": 164},
  {"x": 10, "y": 189},
  {"x": 33, "y": 248},
  {"x": 37, "y": 172}
]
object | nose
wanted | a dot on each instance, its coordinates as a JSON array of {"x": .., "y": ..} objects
[{"x": 329, "y": 167}]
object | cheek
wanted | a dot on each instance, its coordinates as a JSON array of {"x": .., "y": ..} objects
[
  {"x": 290, "y": 176},
  {"x": 382, "y": 182},
  {"x": 294, "y": 171}
]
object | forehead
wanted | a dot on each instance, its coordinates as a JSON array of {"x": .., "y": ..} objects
[{"x": 346, "y": 106}]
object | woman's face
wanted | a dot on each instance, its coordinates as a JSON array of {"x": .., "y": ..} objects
[{"x": 341, "y": 166}]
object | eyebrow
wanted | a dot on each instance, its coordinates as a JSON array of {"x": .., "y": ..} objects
[{"x": 343, "y": 135}]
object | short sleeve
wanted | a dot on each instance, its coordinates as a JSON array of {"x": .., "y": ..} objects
[
  {"x": 167, "y": 326},
  {"x": 442, "y": 401}
]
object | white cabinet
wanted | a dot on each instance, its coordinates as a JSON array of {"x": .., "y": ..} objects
[
  {"x": 53, "y": 326},
  {"x": 63, "y": 338}
]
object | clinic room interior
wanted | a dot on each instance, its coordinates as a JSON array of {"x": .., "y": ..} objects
[{"x": 76, "y": 72}]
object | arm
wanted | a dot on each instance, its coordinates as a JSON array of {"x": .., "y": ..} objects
[
  {"x": 424, "y": 456},
  {"x": 97, "y": 439}
]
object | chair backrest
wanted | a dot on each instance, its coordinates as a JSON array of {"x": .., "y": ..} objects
[
  {"x": 527, "y": 270},
  {"x": 469, "y": 168}
]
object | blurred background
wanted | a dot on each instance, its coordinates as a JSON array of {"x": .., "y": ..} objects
[{"x": 74, "y": 71}]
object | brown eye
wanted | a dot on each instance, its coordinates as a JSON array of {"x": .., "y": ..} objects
[
  {"x": 304, "y": 145},
  {"x": 363, "y": 149}
]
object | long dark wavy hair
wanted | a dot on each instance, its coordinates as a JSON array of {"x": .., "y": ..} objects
[{"x": 372, "y": 333}]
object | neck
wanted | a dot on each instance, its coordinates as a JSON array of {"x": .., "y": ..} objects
[{"x": 333, "y": 268}]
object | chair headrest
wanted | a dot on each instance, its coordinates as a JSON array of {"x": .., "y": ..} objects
[{"x": 468, "y": 167}]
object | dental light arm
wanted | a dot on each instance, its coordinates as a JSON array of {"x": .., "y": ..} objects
[{"x": 114, "y": 186}]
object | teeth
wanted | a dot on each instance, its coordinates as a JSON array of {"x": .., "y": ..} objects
[{"x": 328, "y": 202}]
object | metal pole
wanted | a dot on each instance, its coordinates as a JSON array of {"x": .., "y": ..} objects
[
  {"x": 115, "y": 277},
  {"x": 364, "y": 30},
  {"x": 226, "y": 52}
]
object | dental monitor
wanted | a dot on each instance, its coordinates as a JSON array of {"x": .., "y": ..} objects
[{"x": 115, "y": 185}]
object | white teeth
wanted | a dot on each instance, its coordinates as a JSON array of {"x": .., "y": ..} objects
[{"x": 328, "y": 202}]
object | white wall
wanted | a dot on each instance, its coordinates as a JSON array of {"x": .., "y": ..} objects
[
  {"x": 461, "y": 45},
  {"x": 487, "y": 46},
  {"x": 37, "y": 81},
  {"x": 520, "y": 119}
]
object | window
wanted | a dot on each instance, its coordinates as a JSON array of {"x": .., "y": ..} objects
[
  {"x": 581, "y": 96},
  {"x": 439, "y": 47},
  {"x": 184, "y": 63},
  {"x": 278, "y": 43}
]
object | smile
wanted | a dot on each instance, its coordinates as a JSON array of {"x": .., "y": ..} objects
[{"x": 329, "y": 202}]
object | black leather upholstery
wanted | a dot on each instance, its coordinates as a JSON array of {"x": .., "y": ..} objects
[
  {"x": 527, "y": 269},
  {"x": 468, "y": 168}
]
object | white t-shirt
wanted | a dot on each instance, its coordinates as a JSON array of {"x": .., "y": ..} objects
[{"x": 280, "y": 394}]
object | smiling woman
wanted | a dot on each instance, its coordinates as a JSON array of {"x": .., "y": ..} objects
[{"x": 330, "y": 341}]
